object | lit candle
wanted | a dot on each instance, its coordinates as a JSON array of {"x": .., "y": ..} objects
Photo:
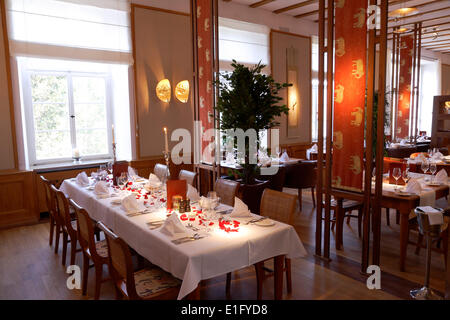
[
  {"x": 113, "y": 139},
  {"x": 76, "y": 153},
  {"x": 166, "y": 140}
]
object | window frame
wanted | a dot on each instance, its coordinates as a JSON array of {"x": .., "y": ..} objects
[{"x": 26, "y": 90}]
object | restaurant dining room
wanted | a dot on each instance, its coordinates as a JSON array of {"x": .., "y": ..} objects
[{"x": 211, "y": 152}]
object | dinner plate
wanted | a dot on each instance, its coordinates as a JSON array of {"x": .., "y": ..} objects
[
  {"x": 403, "y": 193},
  {"x": 116, "y": 201},
  {"x": 90, "y": 188},
  {"x": 434, "y": 184},
  {"x": 265, "y": 223}
]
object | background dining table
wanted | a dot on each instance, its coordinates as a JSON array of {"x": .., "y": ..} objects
[{"x": 217, "y": 254}]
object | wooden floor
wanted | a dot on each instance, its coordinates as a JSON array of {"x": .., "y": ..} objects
[{"x": 29, "y": 268}]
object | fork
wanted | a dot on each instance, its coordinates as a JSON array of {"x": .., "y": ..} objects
[
  {"x": 256, "y": 220},
  {"x": 196, "y": 236}
]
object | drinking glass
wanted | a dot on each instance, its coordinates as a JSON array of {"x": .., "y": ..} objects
[
  {"x": 110, "y": 167},
  {"x": 122, "y": 180},
  {"x": 425, "y": 166},
  {"x": 278, "y": 151},
  {"x": 433, "y": 169},
  {"x": 405, "y": 175},
  {"x": 396, "y": 173}
]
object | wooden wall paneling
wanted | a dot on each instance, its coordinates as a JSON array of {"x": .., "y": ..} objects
[{"x": 17, "y": 200}]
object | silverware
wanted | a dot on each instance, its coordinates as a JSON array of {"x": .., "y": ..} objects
[
  {"x": 256, "y": 220},
  {"x": 188, "y": 239},
  {"x": 225, "y": 211},
  {"x": 191, "y": 226}
]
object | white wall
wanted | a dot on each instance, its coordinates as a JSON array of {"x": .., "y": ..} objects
[{"x": 243, "y": 13}]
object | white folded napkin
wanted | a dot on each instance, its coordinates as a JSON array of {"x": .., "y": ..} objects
[
  {"x": 131, "y": 205},
  {"x": 153, "y": 180},
  {"x": 434, "y": 216},
  {"x": 413, "y": 186},
  {"x": 82, "y": 179},
  {"x": 101, "y": 188},
  {"x": 437, "y": 156},
  {"x": 314, "y": 148},
  {"x": 441, "y": 177},
  {"x": 192, "y": 193},
  {"x": 240, "y": 209},
  {"x": 132, "y": 173},
  {"x": 173, "y": 227},
  {"x": 284, "y": 157}
]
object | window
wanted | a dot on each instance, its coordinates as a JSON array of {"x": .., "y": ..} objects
[
  {"x": 429, "y": 84},
  {"x": 248, "y": 44},
  {"x": 66, "y": 111},
  {"x": 73, "y": 59}
]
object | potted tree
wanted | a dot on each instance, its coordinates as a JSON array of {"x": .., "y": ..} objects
[{"x": 248, "y": 99}]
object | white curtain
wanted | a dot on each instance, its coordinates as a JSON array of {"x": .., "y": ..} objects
[
  {"x": 247, "y": 43},
  {"x": 94, "y": 30}
]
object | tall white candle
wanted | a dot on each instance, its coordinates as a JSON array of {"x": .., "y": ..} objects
[
  {"x": 166, "y": 140},
  {"x": 113, "y": 138},
  {"x": 76, "y": 153}
]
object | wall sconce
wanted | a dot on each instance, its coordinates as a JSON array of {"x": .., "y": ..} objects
[
  {"x": 182, "y": 91},
  {"x": 163, "y": 90},
  {"x": 447, "y": 106}
]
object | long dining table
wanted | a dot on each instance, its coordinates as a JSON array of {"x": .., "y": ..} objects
[
  {"x": 390, "y": 199},
  {"x": 218, "y": 253}
]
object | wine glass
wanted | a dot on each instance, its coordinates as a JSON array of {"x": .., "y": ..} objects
[
  {"x": 406, "y": 176},
  {"x": 396, "y": 173},
  {"x": 425, "y": 166},
  {"x": 278, "y": 151},
  {"x": 433, "y": 169},
  {"x": 122, "y": 180},
  {"x": 109, "y": 166},
  {"x": 102, "y": 172}
]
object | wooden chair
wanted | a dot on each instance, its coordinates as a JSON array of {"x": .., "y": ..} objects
[
  {"x": 68, "y": 227},
  {"x": 227, "y": 190},
  {"x": 145, "y": 284},
  {"x": 50, "y": 201},
  {"x": 348, "y": 206},
  {"x": 160, "y": 170},
  {"x": 92, "y": 250},
  {"x": 302, "y": 175},
  {"x": 189, "y": 176},
  {"x": 278, "y": 206}
]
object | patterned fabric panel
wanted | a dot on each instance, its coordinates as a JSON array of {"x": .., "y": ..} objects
[
  {"x": 151, "y": 281},
  {"x": 102, "y": 248}
]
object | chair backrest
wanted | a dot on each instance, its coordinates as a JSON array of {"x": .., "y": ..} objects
[
  {"x": 64, "y": 211},
  {"x": 189, "y": 176},
  {"x": 401, "y": 152},
  {"x": 85, "y": 229},
  {"x": 278, "y": 205},
  {"x": 301, "y": 175},
  {"x": 227, "y": 190},
  {"x": 160, "y": 170},
  {"x": 57, "y": 214},
  {"x": 120, "y": 263},
  {"x": 49, "y": 198}
]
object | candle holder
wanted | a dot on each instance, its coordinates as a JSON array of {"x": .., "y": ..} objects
[
  {"x": 114, "y": 151},
  {"x": 167, "y": 160},
  {"x": 76, "y": 159}
]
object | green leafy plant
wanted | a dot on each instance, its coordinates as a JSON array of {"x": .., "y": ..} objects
[{"x": 248, "y": 99}]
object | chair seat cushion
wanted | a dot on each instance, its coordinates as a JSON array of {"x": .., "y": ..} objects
[
  {"x": 150, "y": 281},
  {"x": 102, "y": 248}
]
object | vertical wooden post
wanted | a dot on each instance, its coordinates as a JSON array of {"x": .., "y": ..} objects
[
  {"x": 380, "y": 128},
  {"x": 330, "y": 84},
  {"x": 413, "y": 105},
  {"x": 419, "y": 55},
  {"x": 369, "y": 143},
  {"x": 319, "y": 193},
  {"x": 393, "y": 79}
]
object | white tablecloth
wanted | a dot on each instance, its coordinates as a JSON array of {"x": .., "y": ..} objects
[{"x": 215, "y": 255}]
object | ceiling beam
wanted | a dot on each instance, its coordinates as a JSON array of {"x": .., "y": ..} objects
[
  {"x": 437, "y": 46},
  {"x": 260, "y": 3},
  {"x": 295, "y": 6},
  {"x": 435, "y": 43}
]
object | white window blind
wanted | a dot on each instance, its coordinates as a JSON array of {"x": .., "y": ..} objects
[
  {"x": 247, "y": 43},
  {"x": 94, "y": 30}
]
